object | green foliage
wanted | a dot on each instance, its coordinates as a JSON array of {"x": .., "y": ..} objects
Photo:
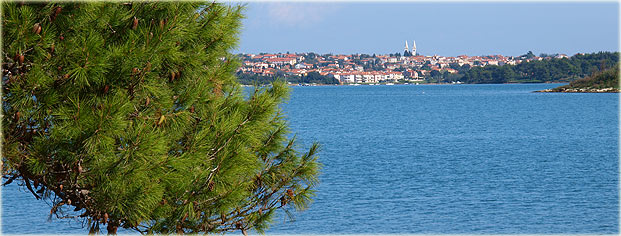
[
  {"x": 552, "y": 70},
  {"x": 528, "y": 55},
  {"x": 311, "y": 58},
  {"x": 251, "y": 79},
  {"x": 601, "y": 80},
  {"x": 315, "y": 77},
  {"x": 605, "y": 79},
  {"x": 130, "y": 114},
  {"x": 311, "y": 77}
]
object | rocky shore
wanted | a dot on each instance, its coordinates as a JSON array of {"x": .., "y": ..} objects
[{"x": 579, "y": 90}]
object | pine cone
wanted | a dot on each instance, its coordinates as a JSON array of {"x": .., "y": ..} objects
[
  {"x": 35, "y": 27},
  {"x": 173, "y": 75},
  {"x": 57, "y": 11},
  {"x": 135, "y": 23},
  {"x": 162, "y": 24}
]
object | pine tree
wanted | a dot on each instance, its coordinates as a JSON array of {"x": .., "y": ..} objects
[{"x": 129, "y": 115}]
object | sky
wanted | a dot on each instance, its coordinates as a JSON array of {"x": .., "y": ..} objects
[{"x": 445, "y": 28}]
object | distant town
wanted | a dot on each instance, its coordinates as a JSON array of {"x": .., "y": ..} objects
[{"x": 405, "y": 67}]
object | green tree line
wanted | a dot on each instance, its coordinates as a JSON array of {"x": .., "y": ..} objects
[
  {"x": 552, "y": 70},
  {"x": 601, "y": 80},
  {"x": 312, "y": 77}
]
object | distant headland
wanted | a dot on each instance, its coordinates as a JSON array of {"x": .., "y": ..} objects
[{"x": 606, "y": 81}]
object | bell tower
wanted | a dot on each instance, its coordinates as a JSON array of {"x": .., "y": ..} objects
[{"x": 406, "y": 46}]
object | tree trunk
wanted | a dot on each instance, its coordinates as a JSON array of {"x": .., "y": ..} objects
[{"x": 112, "y": 227}]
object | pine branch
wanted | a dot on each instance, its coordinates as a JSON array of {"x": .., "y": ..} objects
[{"x": 75, "y": 158}]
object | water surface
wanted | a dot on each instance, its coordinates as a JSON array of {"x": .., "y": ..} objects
[{"x": 445, "y": 159}]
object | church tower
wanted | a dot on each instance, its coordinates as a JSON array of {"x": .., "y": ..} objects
[
  {"x": 413, "y": 47},
  {"x": 406, "y": 46}
]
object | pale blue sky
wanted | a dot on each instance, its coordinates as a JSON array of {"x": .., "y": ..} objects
[{"x": 448, "y": 28}]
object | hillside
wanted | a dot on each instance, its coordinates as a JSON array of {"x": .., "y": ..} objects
[{"x": 606, "y": 81}]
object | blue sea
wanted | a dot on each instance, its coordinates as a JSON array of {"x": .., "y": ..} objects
[{"x": 437, "y": 159}]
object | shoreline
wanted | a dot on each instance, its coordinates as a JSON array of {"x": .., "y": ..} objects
[
  {"x": 312, "y": 85},
  {"x": 579, "y": 90}
]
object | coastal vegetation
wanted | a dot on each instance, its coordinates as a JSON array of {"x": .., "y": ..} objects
[
  {"x": 310, "y": 78},
  {"x": 601, "y": 82},
  {"x": 552, "y": 70},
  {"x": 129, "y": 115}
]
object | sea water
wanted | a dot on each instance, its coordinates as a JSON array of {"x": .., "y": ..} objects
[{"x": 437, "y": 159}]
